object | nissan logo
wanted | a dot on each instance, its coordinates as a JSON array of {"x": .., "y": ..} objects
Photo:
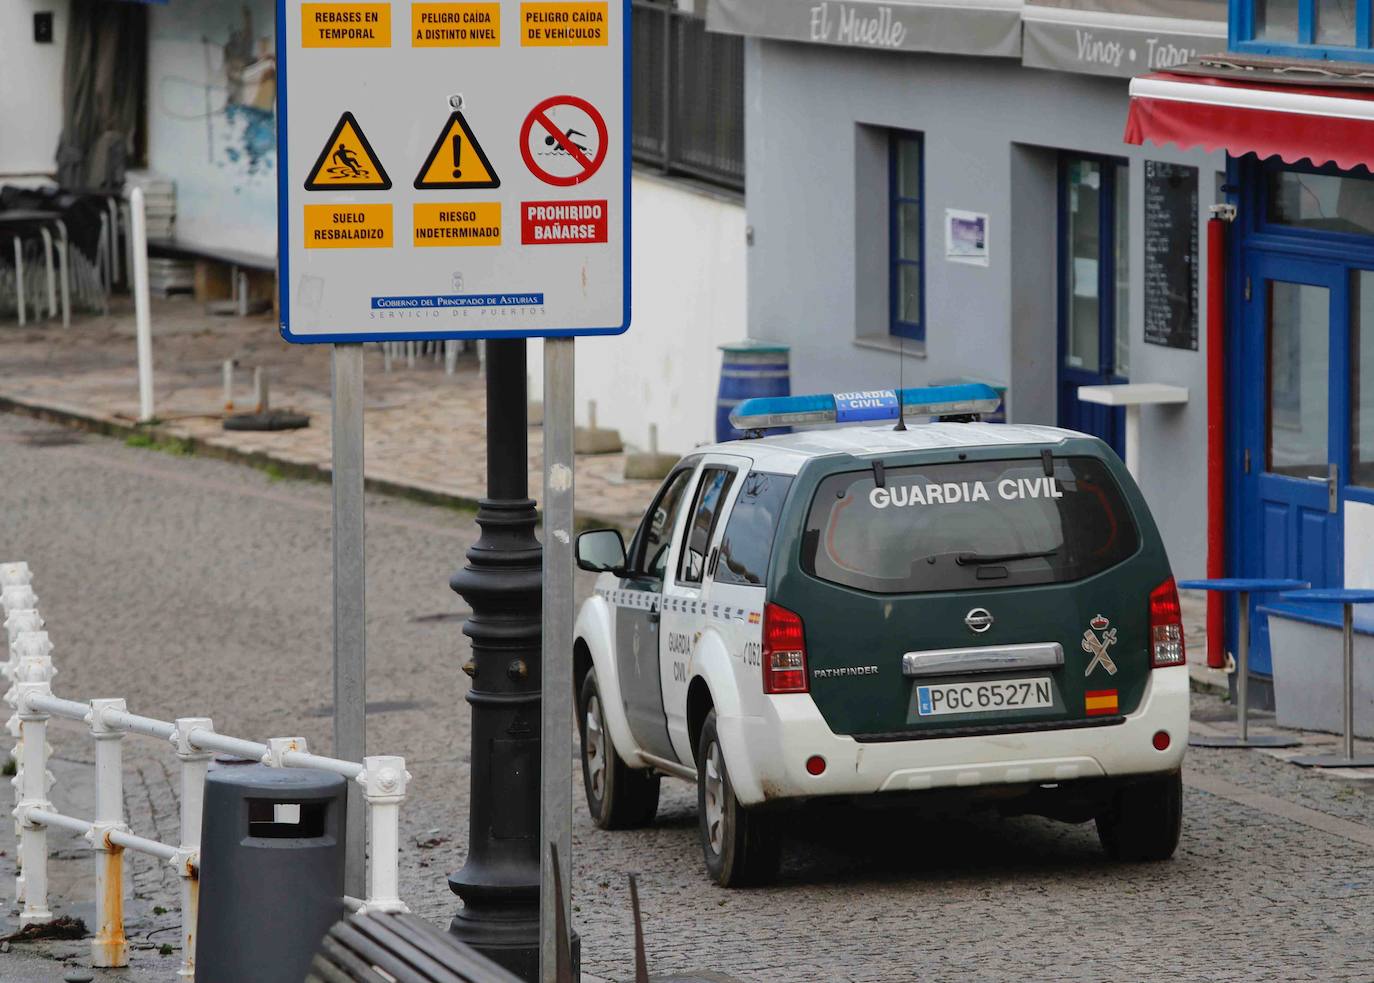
[{"x": 978, "y": 620}]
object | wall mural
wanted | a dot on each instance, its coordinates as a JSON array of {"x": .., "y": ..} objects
[{"x": 212, "y": 126}]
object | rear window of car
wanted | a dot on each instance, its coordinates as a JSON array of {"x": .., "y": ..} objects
[
  {"x": 748, "y": 539},
  {"x": 968, "y": 525}
]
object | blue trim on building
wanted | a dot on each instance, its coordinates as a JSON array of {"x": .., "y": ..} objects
[
  {"x": 1243, "y": 40},
  {"x": 895, "y": 260}
]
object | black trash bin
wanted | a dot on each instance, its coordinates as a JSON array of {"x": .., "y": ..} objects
[{"x": 271, "y": 871}]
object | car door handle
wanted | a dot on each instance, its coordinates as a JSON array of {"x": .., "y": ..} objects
[{"x": 653, "y": 616}]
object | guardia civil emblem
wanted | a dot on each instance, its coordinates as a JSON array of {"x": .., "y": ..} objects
[{"x": 1099, "y": 637}]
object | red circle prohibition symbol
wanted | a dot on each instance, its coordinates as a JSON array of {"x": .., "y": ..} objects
[{"x": 540, "y": 115}]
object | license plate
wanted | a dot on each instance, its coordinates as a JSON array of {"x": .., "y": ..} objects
[{"x": 991, "y": 696}]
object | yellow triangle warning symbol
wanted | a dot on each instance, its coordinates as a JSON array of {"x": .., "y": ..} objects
[
  {"x": 457, "y": 160},
  {"x": 347, "y": 162}
]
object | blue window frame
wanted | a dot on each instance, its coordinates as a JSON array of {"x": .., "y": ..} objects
[
  {"x": 1334, "y": 30},
  {"x": 907, "y": 235}
]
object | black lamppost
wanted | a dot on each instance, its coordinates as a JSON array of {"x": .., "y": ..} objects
[{"x": 499, "y": 884}]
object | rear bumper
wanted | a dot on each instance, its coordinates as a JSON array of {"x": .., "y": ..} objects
[{"x": 767, "y": 754}]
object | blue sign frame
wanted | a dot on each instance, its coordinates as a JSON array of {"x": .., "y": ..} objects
[{"x": 284, "y": 223}]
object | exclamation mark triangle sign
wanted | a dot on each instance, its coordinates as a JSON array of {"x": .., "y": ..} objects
[{"x": 457, "y": 160}]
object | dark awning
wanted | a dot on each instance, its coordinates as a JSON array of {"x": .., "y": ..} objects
[
  {"x": 969, "y": 27},
  {"x": 1120, "y": 37}
]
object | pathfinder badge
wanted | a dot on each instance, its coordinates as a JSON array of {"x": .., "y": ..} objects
[{"x": 1098, "y": 646}]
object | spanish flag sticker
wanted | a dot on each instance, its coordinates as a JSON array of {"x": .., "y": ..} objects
[{"x": 1097, "y": 702}]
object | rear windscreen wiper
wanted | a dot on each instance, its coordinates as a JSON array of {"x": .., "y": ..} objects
[{"x": 978, "y": 559}]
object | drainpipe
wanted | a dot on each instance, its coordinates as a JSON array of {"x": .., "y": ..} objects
[{"x": 1222, "y": 216}]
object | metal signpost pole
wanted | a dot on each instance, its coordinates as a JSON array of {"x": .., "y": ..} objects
[
  {"x": 350, "y": 643},
  {"x": 557, "y": 669}
]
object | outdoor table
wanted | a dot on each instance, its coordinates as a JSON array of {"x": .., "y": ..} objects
[
  {"x": 1347, "y": 599},
  {"x": 19, "y": 221},
  {"x": 1133, "y": 395},
  {"x": 1243, "y": 587}
]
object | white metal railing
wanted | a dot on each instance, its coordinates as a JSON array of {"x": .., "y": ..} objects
[{"x": 30, "y": 672}]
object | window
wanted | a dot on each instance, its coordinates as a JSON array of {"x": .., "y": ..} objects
[
  {"x": 1095, "y": 265},
  {"x": 701, "y": 524},
  {"x": 1335, "y": 29},
  {"x": 968, "y": 526},
  {"x": 907, "y": 235},
  {"x": 649, "y": 551},
  {"x": 748, "y": 540},
  {"x": 1320, "y": 202},
  {"x": 1362, "y": 378}
]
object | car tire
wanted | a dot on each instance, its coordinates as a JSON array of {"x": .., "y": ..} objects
[
  {"x": 618, "y": 796},
  {"x": 1142, "y": 822},
  {"x": 740, "y": 844}
]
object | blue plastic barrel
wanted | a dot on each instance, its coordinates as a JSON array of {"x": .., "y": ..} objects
[{"x": 749, "y": 369}]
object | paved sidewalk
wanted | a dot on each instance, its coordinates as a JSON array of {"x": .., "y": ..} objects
[{"x": 425, "y": 431}]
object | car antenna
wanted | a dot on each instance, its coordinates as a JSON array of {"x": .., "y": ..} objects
[{"x": 901, "y": 369}]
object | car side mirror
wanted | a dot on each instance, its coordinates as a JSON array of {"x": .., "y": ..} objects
[{"x": 601, "y": 551}]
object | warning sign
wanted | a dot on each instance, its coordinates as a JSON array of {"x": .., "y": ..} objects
[
  {"x": 478, "y": 185},
  {"x": 563, "y": 24},
  {"x": 455, "y": 25},
  {"x": 463, "y": 224},
  {"x": 347, "y": 226},
  {"x": 554, "y": 223},
  {"x": 347, "y": 162},
  {"x": 346, "y": 25},
  {"x": 457, "y": 160},
  {"x": 563, "y": 141}
]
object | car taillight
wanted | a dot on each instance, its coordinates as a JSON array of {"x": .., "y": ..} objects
[
  {"x": 784, "y": 652},
  {"x": 1166, "y": 626}
]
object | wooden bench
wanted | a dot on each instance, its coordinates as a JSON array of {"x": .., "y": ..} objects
[{"x": 390, "y": 947}]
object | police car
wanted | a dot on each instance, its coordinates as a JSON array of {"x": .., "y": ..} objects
[{"x": 970, "y": 611}]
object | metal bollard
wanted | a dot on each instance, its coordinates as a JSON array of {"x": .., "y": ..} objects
[
  {"x": 384, "y": 781},
  {"x": 195, "y": 764},
  {"x": 227, "y": 373},
  {"x": 109, "y": 948},
  {"x": 33, "y": 677}
]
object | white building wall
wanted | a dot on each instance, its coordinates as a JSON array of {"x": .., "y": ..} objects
[
  {"x": 30, "y": 88},
  {"x": 689, "y": 297}
]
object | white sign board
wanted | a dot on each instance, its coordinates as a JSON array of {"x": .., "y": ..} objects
[{"x": 453, "y": 169}]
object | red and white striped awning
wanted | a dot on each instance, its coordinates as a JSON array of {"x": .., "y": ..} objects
[{"x": 1321, "y": 124}]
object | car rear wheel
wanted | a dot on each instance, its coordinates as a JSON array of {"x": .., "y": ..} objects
[
  {"x": 618, "y": 796},
  {"x": 740, "y": 844},
  {"x": 1142, "y": 821}
]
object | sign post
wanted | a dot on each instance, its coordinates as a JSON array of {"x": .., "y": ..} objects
[
  {"x": 350, "y": 642},
  {"x": 451, "y": 170},
  {"x": 557, "y": 709}
]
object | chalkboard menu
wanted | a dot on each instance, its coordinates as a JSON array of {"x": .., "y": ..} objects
[{"x": 1171, "y": 254}]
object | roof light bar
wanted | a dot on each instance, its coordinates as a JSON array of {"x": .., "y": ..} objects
[{"x": 763, "y": 412}]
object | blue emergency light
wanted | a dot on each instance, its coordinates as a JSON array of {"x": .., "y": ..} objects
[{"x": 877, "y": 404}]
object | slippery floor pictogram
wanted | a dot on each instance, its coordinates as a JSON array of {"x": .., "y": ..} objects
[{"x": 347, "y": 161}]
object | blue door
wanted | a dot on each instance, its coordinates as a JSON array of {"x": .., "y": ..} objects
[
  {"x": 1094, "y": 285},
  {"x": 1295, "y": 424}
]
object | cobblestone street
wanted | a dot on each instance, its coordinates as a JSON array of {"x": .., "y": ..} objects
[{"x": 189, "y": 585}]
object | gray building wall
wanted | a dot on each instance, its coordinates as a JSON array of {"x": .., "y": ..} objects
[{"x": 817, "y": 193}]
